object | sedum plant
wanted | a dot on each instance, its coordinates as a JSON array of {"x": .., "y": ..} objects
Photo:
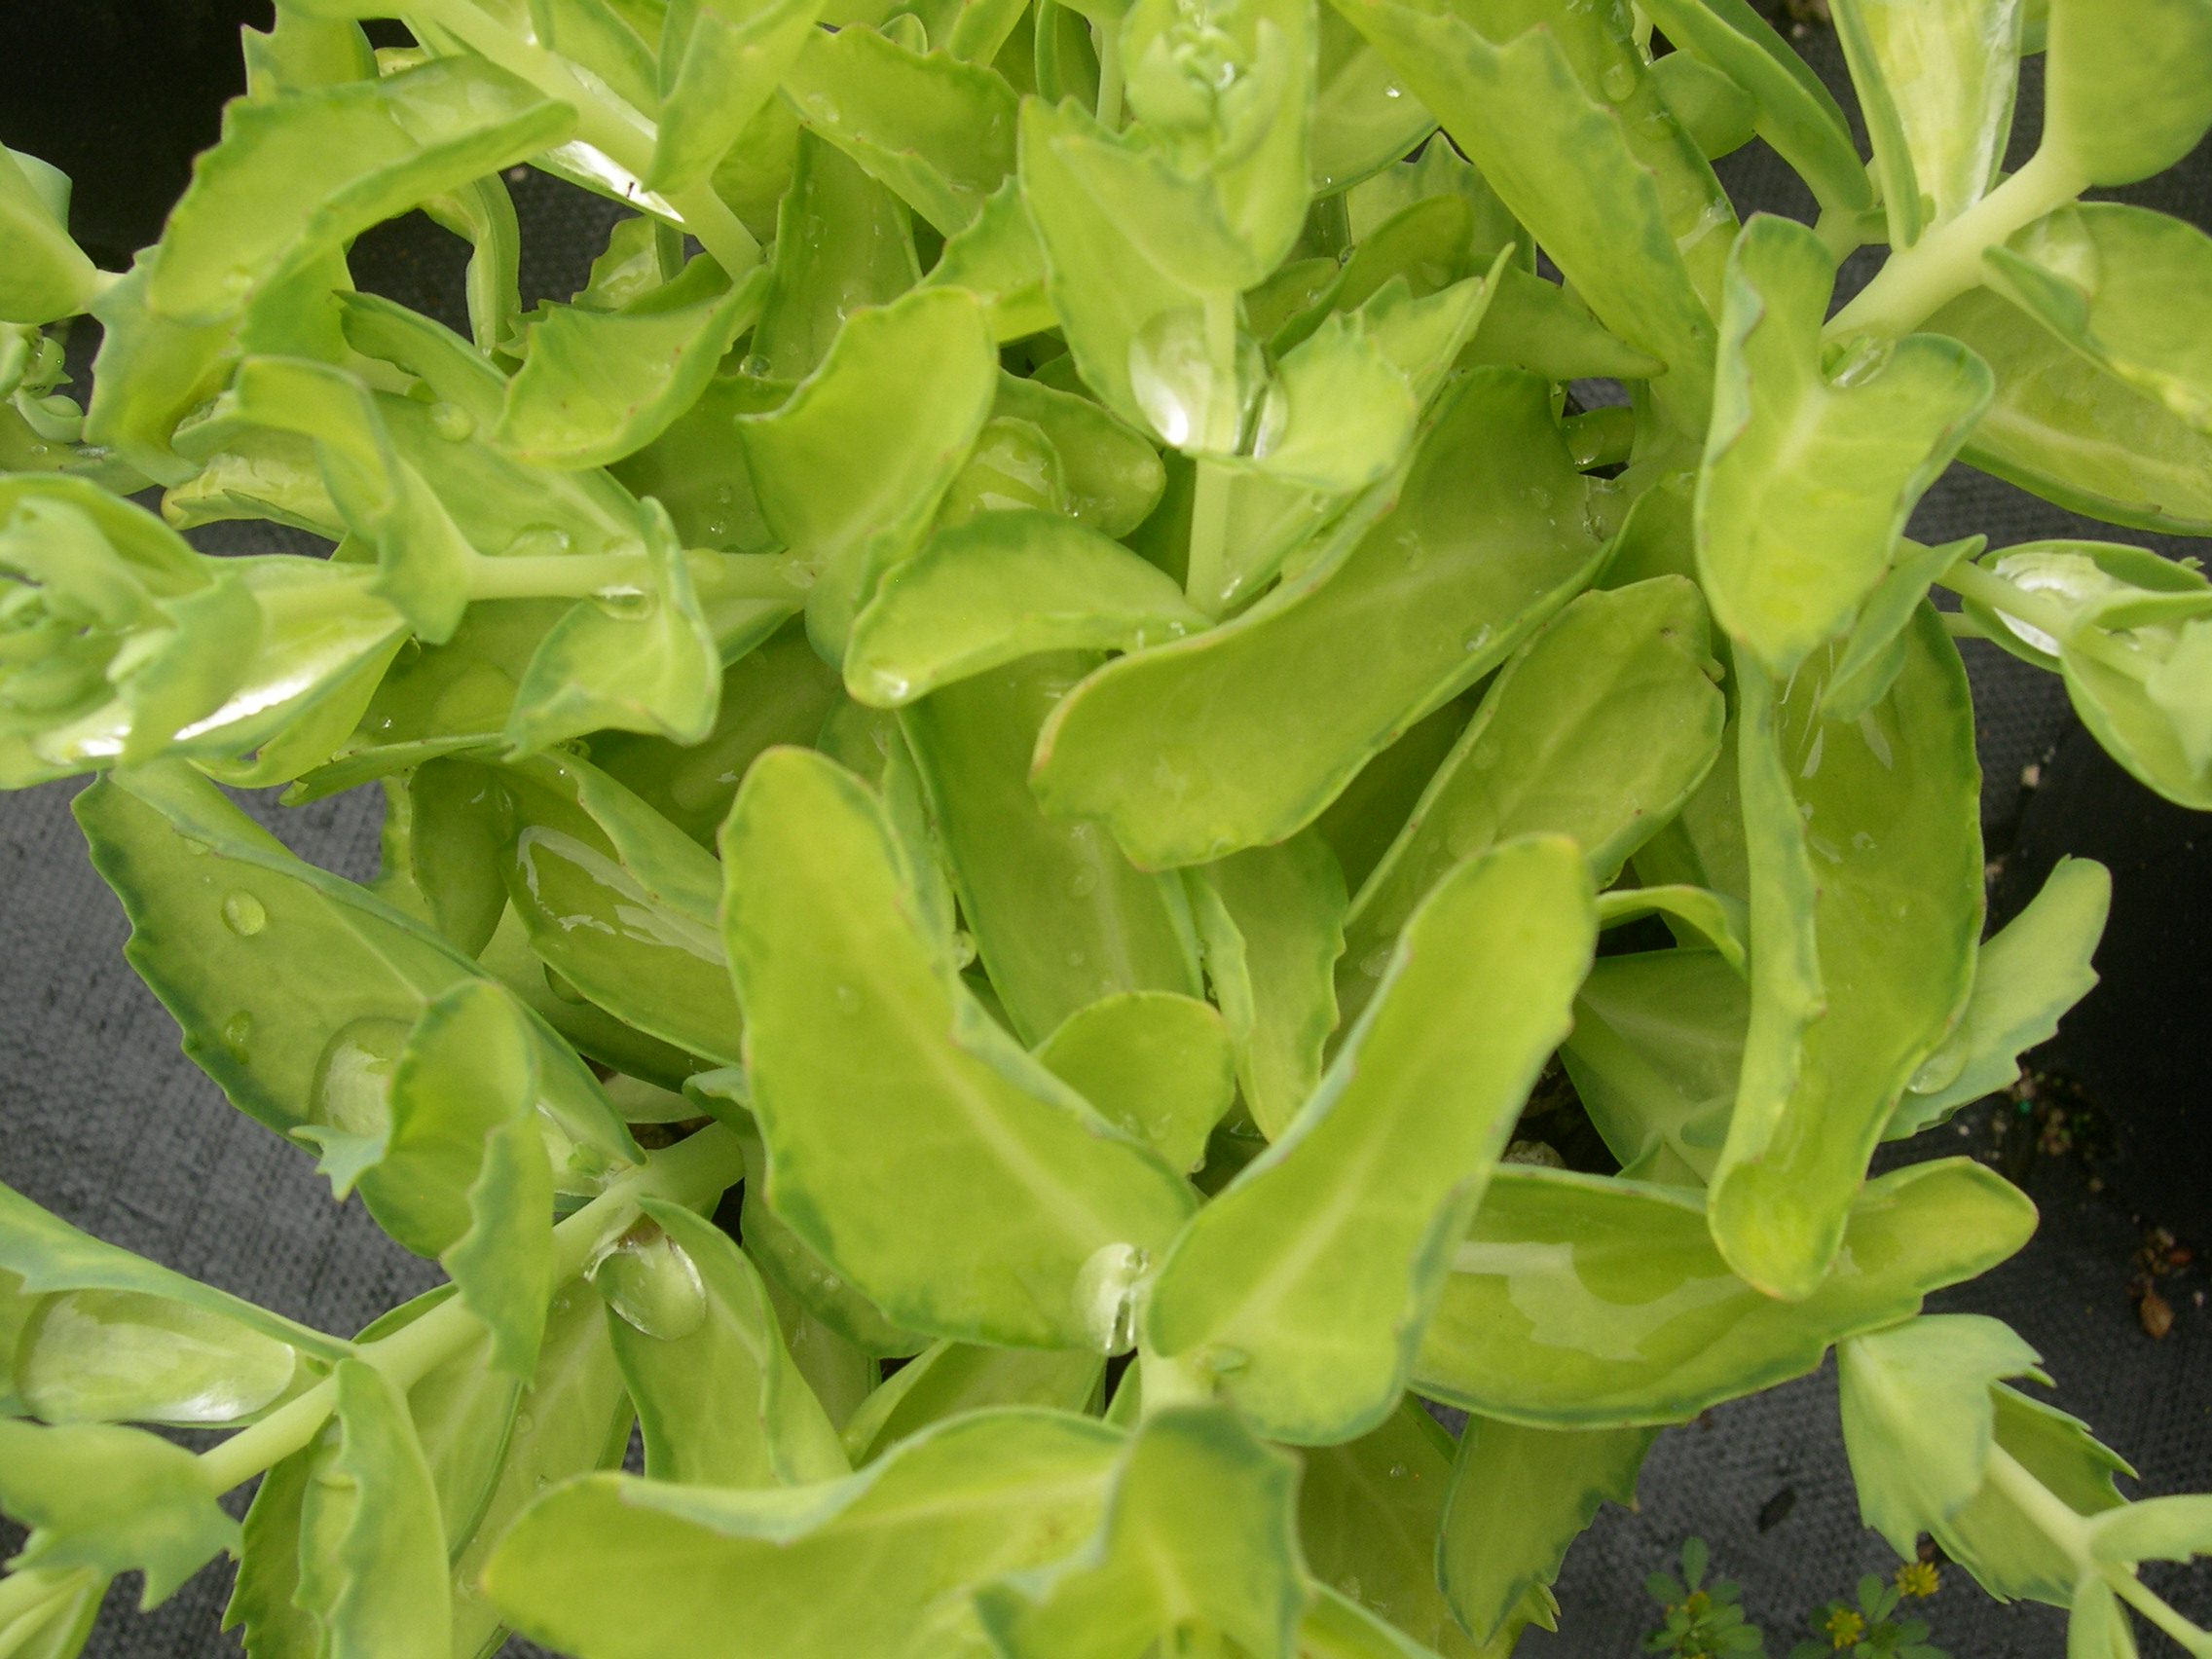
[{"x": 1034, "y": 766}]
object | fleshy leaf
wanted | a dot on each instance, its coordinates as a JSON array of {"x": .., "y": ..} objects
[
  {"x": 1033, "y": 1213},
  {"x": 1577, "y": 1301},
  {"x": 2025, "y": 978},
  {"x": 948, "y": 1378},
  {"x": 1198, "y": 1537},
  {"x": 48, "y": 276},
  {"x": 1303, "y": 1289},
  {"x": 1155, "y": 1062},
  {"x": 113, "y": 1499},
  {"x": 1005, "y": 585}
]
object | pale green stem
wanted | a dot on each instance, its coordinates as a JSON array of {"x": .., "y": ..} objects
[
  {"x": 691, "y": 1172},
  {"x": 104, "y": 280},
  {"x": 1918, "y": 280},
  {"x": 1165, "y": 1382},
  {"x": 557, "y": 575},
  {"x": 1203, "y": 575},
  {"x": 2070, "y": 1533},
  {"x": 1839, "y": 229},
  {"x": 1108, "y": 39},
  {"x": 1970, "y": 580},
  {"x": 619, "y": 132},
  {"x": 1960, "y": 626}
]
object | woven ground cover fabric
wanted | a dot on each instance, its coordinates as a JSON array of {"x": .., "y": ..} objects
[{"x": 104, "y": 1120}]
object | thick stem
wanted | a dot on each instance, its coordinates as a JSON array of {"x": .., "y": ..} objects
[
  {"x": 690, "y": 1172},
  {"x": 1970, "y": 580},
  {"x": 1919, "y": 280},
  {"x": 2147, "y": 1602},
  {"x": 557, "y": 575},
  {"x": 613, "y": 128},
  {"x": 1108, "y": 39},
  {"x": 1203, "y": 575}
]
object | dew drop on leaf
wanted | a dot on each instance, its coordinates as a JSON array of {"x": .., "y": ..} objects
[
  {"x": 352, "y": 1079},
  {"x": 237, "y": 1033},
  {"x": 243, "y": 914}
]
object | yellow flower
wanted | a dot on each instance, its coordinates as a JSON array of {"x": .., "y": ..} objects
[
  {"x": 1918, "y": 1578},
  {"x": 1844, "y": 1627}
]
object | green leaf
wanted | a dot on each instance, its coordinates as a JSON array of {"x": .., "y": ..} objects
[
  {"x": 1809, "y": 478},
  {"x": 2127, "y": 93},
  {"x": 1937, "y": 85},
  {"x": 1157, "y": 1063},
  {"x": 939, "y": 132},
  {"x": 1198, "y": 1539},
  {"x": 843, "y": 241},
  {"x": 1717, "y": 919},
  {"x": 151, "y": 371},
  {"x": 300, "y": 175},
  {"x": 1270, "y": 920},
  {"x": 1519, "y": 1498},
  {"x": 1521, "y": 114},
  {"x": 1917, "y": 1419},
  {"x": 2008, "y": 1549},
  {"x": 1060, "y": 916},
  {"x": 997, "y": 259},
  {"x": 629, "y": 1569},
  {"x": 1875, "y": 652},
  {"x": 599, "y": 385},
  {"x": 1718, "y": 113},
  {"x": 651, "y": 955},
  {"x": 643, "y": 660},
  {"x": 2025, "y": 978},
  {"x": 483, "y": 214},
  {"x": 722, "y": 1404},
  {"x": 372, "y": 1552},
  {"x": 2125, "y": 287},
  {"x": 1537, "y": 325},
  {"x": 1337, "y": 1627},
  {"x": 1369, "y": 1513},
  {"x": 1577, "y": 1301},
  {"x": 47, "y": 1254},
  {"x": 1796, "y": 113},
  {"x": 840, "y": 1375},
  {"x": 1363, "y": 120},
  {"x": 113, "y": 1499},
  {"x": 1865, "y": 906},
  {"x": 127, "y": 1356},
  {"x": 1004, "y": 585},
  {"x": 1435, "y": 168},
  {"x": 719, "y": 63},
  {"x": 48, "y": 275},
  {"x": 694, "y": 470},
  {"x": 1657, "y": 1044},
  {"x": 780, "y": 693},
  {"x": 574, "y": 1418},
  {"x": 2156, "y": 1528},
  {"x": 209, "y": 895},
  {"x": 452, "y": 819},
  {"x": 1032, "y": 1213},
  {"x": 1111, "y": 472},
  {"x": 2062, "y": 427},
  {"x": 1598, "y": 728},
  {"x": 1303, "y": 1289},
  {"x": 1184, "y": 751},
  {"x": 948, "y": 1378},
  {"x": 56, "y": 1619},
  {"x": 849, "y": 471},
  {"x": 423, "y": 558}
]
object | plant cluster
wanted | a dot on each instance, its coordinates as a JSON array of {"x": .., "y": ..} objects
[{"x": 1073, "y": 683}]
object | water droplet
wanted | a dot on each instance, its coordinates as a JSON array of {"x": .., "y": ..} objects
[
  {"x": 1618, "y": 81},
  {"x": 1076, "y": 959},
  {"x": 1104, "y": 1302},
  {"x": 1191, "y": 402},
  {"x": 1392, "y": 90},
  {"x": 723, "y": 494},
  {"x": 1083, "y": 882},
  {"x": 451, "y": 421},
  {"x": 717, "y": 530},
  {"x": 1375, "y": 962},
  {"x": 237, "y": 1033},
  {"x": 755, "y": 365},
  {"x": 1397, "y": 1472},
  {"x": 963, "y": 948},
  {"x": 847, "y": 999},
  {"x": 524, "y": 1423},
  {"x": 1475, "y": 641},
  {"x": 243, "y": 914},
  {"x": 627, "y": 603},
  {"x": 650, "y": 1280},
  {"x": 352, "y": 1079}
]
